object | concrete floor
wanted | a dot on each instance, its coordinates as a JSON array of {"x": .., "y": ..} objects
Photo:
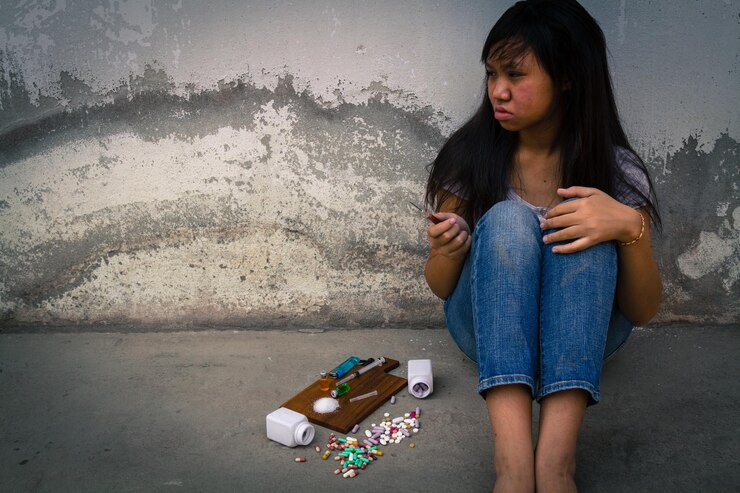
[{"x": 185, "y": 411}]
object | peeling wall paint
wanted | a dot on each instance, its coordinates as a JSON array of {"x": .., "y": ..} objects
[
  {"x": 175, "y": 163},
  {"x": 700, "y": 246},
  {"x": 262, "y": 206}
]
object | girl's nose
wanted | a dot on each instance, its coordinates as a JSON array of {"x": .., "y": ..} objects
[{"x": 499, "y": 90}]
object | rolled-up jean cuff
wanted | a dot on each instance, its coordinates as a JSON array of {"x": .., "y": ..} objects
[
  {"x": 486, "y": 384},
  {"x": 594, "y": 395}
]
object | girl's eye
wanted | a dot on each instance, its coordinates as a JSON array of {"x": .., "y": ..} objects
[
  {"x": 490, "y": 74},
  {"x": 514, "y": 75}
]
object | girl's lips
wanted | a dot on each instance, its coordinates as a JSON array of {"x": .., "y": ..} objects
[{"x": 501, "y": 114}]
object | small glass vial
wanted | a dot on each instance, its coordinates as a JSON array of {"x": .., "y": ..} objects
[
  {"x": 340, "y": 390},
  {"x": 324, "y": 382},
  {"x": 289, "y": 428},
  {"x": 420, "y": 378}
]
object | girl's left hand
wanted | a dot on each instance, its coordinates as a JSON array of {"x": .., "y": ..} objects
[{"x": 593, "y": 218}]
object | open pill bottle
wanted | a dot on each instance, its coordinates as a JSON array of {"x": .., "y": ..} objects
[
  {"x": 420, "y": 377},
  {"x": 289, "y": 427}
]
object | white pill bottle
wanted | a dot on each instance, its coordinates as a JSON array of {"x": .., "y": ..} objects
[
  {"x": 289, "y": 428},
  {"x": 420, "y": 377}
]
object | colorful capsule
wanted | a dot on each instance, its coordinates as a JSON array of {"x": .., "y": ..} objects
[{"x": 300, "y": 459}]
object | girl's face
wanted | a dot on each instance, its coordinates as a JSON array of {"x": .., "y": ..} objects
[{"x": 522, "y": 93}]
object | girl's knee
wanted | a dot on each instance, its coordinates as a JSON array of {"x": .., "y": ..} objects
[
  {"x": 508, "y": 211},
  {"x": 510, "y": 222},
  {"x": 507, "y": 241}
]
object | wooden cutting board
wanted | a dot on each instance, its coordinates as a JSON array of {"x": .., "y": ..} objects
[{"x": 350, "y": 413}]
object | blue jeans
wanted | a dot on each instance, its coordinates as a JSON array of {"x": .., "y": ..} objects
[{"x": 530, "y": 316}]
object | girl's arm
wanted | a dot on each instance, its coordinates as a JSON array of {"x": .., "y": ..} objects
[
  {"x": 638, "y": 280},
  {"x": 449, "y": 243},
  {"x": 597, "y": 217}
]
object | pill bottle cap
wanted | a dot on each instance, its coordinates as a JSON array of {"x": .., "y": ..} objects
[{"x": 303, "y": 433}]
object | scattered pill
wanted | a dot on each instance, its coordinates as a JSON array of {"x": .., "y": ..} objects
[
  {"x": 354, "y": 456},
  {"x": 411, "y": 445},
  {"x": 393, "y": 399},
  {"x": 300, "y": 459},
  {"x": 317, "y": 449}
]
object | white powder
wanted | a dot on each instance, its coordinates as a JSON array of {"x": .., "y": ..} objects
[{"x": 325, "y": 405}]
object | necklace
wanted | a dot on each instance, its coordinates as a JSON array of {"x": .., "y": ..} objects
[{"x": 533, "y": 197}]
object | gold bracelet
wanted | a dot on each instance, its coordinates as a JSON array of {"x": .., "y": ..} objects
[{"x": 642, "y": 230}]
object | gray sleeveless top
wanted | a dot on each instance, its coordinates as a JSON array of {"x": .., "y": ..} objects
[{"x": 627, "y": 162}]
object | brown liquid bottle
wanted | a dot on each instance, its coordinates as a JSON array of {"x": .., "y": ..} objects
[{"x": 324, "y": 382}]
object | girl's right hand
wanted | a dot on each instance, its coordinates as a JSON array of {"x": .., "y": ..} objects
[{"x": 451, "y": 237}]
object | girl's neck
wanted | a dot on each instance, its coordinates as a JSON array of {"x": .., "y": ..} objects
[
  {"x": 536, "y": 174},
  {"x": 542, "y": 138},
  {"x": 541, "y": 141},
  {"x": 537, "y": 165}
]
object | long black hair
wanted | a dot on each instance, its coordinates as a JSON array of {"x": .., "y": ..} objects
[{"x": 477, "y": 160}]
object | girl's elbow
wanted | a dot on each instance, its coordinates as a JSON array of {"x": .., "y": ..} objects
[
  {"x": 438, "y": 290},
  {"x": 644, "y": 314},
  {"x": 641, "y": 320}
]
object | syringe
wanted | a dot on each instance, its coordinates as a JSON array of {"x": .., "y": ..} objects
[{"x": 362, "y": 370}]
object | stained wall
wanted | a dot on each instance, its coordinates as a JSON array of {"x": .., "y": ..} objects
[{"x": 167, "y": 164}]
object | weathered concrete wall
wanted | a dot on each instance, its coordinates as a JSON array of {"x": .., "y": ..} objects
[{"x": 174, "y": 163}]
